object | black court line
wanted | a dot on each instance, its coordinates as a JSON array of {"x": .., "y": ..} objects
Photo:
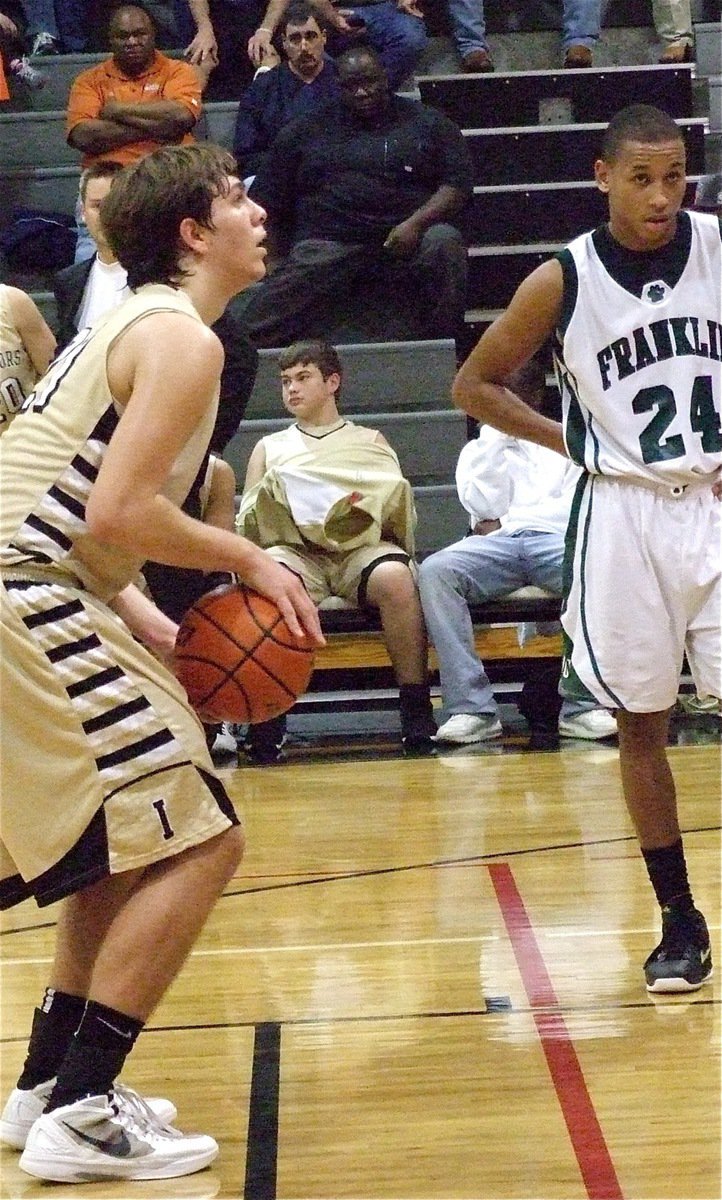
[
  {"x": 371, "y": 872},
  {"x": 494, "y": 1008},
  {"x": 463, "y": 861},
  {"x": 262, "y": 1149}
]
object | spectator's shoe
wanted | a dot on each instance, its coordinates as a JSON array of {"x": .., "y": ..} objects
[
  {"x": 111, "y": 1137},
  {"x": 477, "y": 62},
  {"x": 417, "y": 734},
  {"x": 464, "y": 728},
  {"x": 577, "y": 57},
  {"x": 682, "y": 961},
  {"x": 677, "y": 52},
  {"x": 264, "y": 742},
  {"x": 44, "y": 44},
  {"x": 593, "y": 726},
  {"x": 25, "y": 1105},
  {"x": 21, "y": 69},
  {"x": 700, "y": 706}
]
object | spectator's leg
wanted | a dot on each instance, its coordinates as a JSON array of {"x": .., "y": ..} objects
[
  {"x": 396, "y": 36},
  {"x": 278, "y": 310},
  {"x": 438, "y": 273},
  {"x": 673, "y": 23},
  {"x": 390, "y": 587},
  {"x": 580, "y": 23},
  {"x": 468, "y": 26},
  {"x": 471, "y": 571}
]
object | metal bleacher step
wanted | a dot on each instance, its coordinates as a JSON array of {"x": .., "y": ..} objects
[
  {"x": 562, "y": 152},
  {"x": 539, "y": 97}
]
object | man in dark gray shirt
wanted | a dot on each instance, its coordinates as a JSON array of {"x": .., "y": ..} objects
[{"x": 364, "y": 191}]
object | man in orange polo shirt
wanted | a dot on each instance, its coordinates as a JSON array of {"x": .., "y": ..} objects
[{"x": 135, "y": 101}]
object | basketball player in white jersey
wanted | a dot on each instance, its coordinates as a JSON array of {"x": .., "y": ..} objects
[
  {"x": 121, "y": 816},
  {"x": 636, "y": 313}
]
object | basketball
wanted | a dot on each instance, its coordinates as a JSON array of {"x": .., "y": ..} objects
[{"x": 237, "y": 658}]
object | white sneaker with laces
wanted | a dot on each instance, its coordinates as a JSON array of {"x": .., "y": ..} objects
[
  {"x": 25, "y": 1105},
  {"x": 465, "y": 728},
  {"x": 594, "y": 725},
  {"x": 111, "y": 1137}
]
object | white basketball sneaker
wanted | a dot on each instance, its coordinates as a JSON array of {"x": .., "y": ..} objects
[
  {"x": 25, "y": 1105},
  {"x": 111, "y": 1137}
]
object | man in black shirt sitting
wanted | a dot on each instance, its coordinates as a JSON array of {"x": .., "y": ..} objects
[{"x": 365, "y": 191}]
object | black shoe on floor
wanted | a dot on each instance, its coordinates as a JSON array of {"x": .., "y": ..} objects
[
  {"x": 682, "y": 961},
  {"x": 263, "y": 743}
]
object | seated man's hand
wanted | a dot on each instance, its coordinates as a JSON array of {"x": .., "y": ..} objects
[
  {"x": 490, "y": 525},
  {"x": 203, "y": 48},
  {"x": 411, "y": 7},
  {"x": 261, "y": 50},
  {"x": 349, "y": 23},
  {"x": 402, "y": 240}
]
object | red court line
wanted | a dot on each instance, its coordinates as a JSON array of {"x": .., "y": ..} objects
[{"x": 591, "y": 1150}]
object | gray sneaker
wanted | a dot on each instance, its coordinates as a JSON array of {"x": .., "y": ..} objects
[
  {"x": 465, "y": 728},
  {"x": 25, "y": 1105},
  {"x": 111, "y": 1137}
]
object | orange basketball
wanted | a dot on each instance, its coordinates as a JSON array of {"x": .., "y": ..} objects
[{"x": 237, "y": 658}]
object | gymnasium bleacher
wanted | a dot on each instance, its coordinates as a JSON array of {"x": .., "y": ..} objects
[{"x": 532, "y": 130}]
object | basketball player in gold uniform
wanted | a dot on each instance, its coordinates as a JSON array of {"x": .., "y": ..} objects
[{"x": 121, "y": 817}]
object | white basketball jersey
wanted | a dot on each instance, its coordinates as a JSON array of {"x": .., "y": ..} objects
[{"x": 641, "y": 376}]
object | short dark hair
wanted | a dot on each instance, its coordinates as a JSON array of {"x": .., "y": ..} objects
[
  {"x": 638, "y": 123},
  {"x": 104, "y": 168},
  {"x": 143, "y": 211},
  {"x": 117, "y": 5},
  {"x": 350, "y": 57},
  {"x": 314, "y": 351},
  {"x": 297, "y": 13}
]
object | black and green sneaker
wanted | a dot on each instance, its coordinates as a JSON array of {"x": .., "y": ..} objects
[{"x": 682, "y": 961}]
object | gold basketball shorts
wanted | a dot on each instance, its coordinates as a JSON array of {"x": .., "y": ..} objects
[{"x": 103, "y": 766}]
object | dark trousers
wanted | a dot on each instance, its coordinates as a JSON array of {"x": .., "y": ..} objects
[
  {"x": 301, "y": 298},
  {"x": 233, "y": 24}
]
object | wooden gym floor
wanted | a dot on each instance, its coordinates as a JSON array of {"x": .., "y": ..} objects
[{"x": 425, "y": 984}]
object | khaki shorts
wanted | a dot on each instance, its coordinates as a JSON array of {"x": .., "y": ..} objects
[
  {"x": 345, "y": 575},
  {"x": 642, "y": 589},
  {"x": 103, "y": 766}
]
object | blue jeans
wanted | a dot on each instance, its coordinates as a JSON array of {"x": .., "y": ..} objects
[
  {"x": 476, "y": 569},
  {"x": 396, "y": 36},
  {"x": 580, "y": 24}
]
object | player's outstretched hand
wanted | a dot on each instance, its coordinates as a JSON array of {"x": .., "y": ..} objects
[{"x": 268, "y": 577}]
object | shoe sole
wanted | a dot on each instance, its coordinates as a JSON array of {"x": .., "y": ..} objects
[
  {"x": 586, "y": 737},
  {"x": 677, "y": 985},
  {"x": 469, "y": 741},
  {"x": 59, "y": 1171}
]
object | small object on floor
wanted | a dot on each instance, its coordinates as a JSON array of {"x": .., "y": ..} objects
[
  {"x": 477, "y": 62},
  {"x": 682, "y": 961},
  {"x": 677, "y": 52},
  {"x": 698, "y": 706},
  {"x": 592, "y": 726},
  {"x": 465, "y": 728},
  {"x": 25, "y": 1105},
  {"x": 22, "y": 70},
  {"x": 110, "y": 1137},
  {"x": 578, "y": 57}
]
